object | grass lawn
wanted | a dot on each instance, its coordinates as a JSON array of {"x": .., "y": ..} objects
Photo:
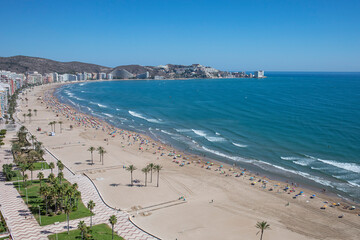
[
  {"x": 9, "y": 238},
  {"x": 35, "y": 200},
  {"x": 37, "y": 165},
  {"x": 101, "y": 231},
  {"x": 18, "y": 176},
  {"x": 41, "y": 165}
]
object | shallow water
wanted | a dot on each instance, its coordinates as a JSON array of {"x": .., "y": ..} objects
[{"x": 303, "y": 126}]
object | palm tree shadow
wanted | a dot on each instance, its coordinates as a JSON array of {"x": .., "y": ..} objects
[{"x": 114, "y": 184}]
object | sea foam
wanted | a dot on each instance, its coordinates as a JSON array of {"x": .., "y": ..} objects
[
  {"x": 353, "y": 167},
  {"x": 202, "y": 133},
  {"x": 138, "y": 115},
  {"x": 239, "y": 159},
  {"x": 239, "y": 145}
]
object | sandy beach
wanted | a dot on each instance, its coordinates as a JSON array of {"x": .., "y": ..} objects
[{"x": 194, "y": 200}]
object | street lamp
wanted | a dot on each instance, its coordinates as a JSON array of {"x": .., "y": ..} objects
[
  {"x": 18, "y": 184},
  {"x": 39, "y": 214},
  {"x": 27, "y": 200}
]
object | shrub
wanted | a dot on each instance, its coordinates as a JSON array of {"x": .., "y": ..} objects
[{"x": 9, "y": 173}]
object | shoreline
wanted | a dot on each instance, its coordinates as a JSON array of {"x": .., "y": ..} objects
[
  {"x": 232, "y": 186},
  {"x": 270, "y": 176}
]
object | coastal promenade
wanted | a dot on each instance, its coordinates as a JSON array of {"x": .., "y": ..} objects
[{"x": 22, "y": 224}]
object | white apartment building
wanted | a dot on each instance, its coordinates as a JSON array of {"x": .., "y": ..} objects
[
  {"x": 35, "y": 78},
  {"x": 259, "y": 74}
]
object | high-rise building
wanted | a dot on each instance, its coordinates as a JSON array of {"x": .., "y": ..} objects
[
  {"x": 145, "y": 75},
  {"x": 259, "y": 74},
  {"x": 34, "y": 78},
  {"x": 4, "y": 91},
  {"x": 102, "y": 75},
  {"x": 68, "y": 77}
]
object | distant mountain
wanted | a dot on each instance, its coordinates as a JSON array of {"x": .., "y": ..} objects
[{"x": 22, "y": 64}]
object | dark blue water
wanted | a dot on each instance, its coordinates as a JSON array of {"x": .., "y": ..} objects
[{"x": 300, "y": 126}]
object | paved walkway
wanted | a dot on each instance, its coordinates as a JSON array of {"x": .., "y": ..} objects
[
  {"x": 20, "y": 221},
  {"x": 14, "y": 210}
]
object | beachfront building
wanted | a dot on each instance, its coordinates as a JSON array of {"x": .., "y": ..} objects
[
  {"x": 259, "y": 74},
  {"x": 3, "y": 101},
  {"x": 55, "y": 77},
  {"x": 143, "y": 75},
  {"x": 34, "y": 78},
  {"x": 102, "y": 75},
  {"x": 157, "y": 77},
  {"x": 14, "y": 80},
  {"x": 88, "y": 76},
  {"x": 68, "y": 77},
  {"x": 80, "y": 76},
  {"x": 47, "y": 78}
]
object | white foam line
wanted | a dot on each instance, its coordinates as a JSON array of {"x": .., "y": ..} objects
[
  {"x": 239, "y": 145},
  {"x": 202, "y": 133},
  {"x": 239, "y": 159},
  {"x": 138, "y": 115}
]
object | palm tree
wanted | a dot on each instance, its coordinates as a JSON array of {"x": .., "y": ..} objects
[
  {"x": 77, "y": 196},
  {"x": 29, "y": 115},
  {"x": 60, "y": 122},
  {"x": 45, "y": 190},
  {"x": 113, "y": 221},
  {"x": 262, "y": 226},
  {"x": 40, "y": 154},
  {"x": 33, "y": 138},
  {"x": 35, "y": 111},
  {"x": 100, "y": 149},
  {"x": 60, "y": 176},
  {"x": 60, "y": 166},
  {"x": 91, "y": 206},
  {"x": 52, "y": 165},
  {"x": 131, "y": 168},
  {"x": 23, "y": 168},
  {"x": 69, "y": 192},
  {"x": 26, "y": 177},
  {"x": 51, "y": 125},
  {"x": 51, "y": 177},
  {"x": 82, "y": 228},
  {"x": 157, "y": 169},
  {"x": 24, "y": 115},
  {"x": 151, "y": 167},
  {"x": 15, "y": 148},
  {"x": 40, "y": 177},
  {"x": 67, "y": 210},
  {"x": 22, "y": 129},
  {"x": 54, "y": 123},
  {"x": 102, "y": 156},
  {"x": 91, "y": 150},
  {"x": 145, "y": 170},
  {"x": 38, "y": 145},
  {"x": 31, "y": 167}
]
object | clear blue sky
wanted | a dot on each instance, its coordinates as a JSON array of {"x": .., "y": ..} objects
[{"x": 298, "y": 35}]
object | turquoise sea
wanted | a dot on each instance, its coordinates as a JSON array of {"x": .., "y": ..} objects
[{"x": 300, "y": 127}]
